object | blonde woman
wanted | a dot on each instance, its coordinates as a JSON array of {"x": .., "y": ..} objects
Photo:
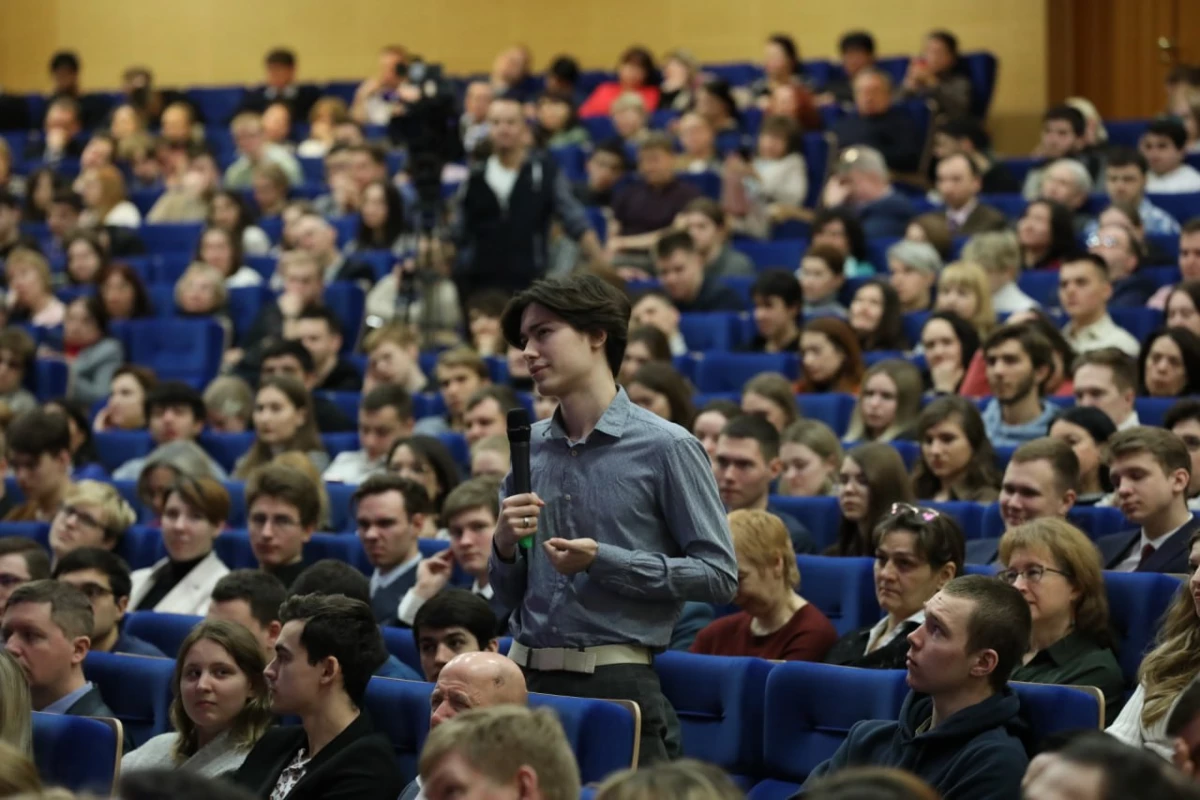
[
  {"x": 104, "y": 200},
  {"x": 889, "y": 403},
  {"x": 18, "y": 773},
  {"x": 769, "y": 395},
  {"x": 31, "y": 290},
  {"x": 811, "y": 455},
  {"x": 963, "y": 288},
  {"x": 1166, "y": 669},
  {"x": 16, "y": 727},
  {"x": 999, "y": 253}
]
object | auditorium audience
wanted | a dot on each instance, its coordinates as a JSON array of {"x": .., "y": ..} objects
[
  {"x": 1063, "y": 136},
  {"x": 1087, "y": 431},
  {"x": 486, "y": 412},
  {"x": 959, "y": 183},
  {"x": 888, "y": 405},
  {"x": 830, "y": 356},
  {"x": 963, "y": 289},
  {"x": 711, "y": 420},
  {"x": 950, "y": 344},
  {"x": 1067, "y": 182},
  {"x": 194, "y": 514},
  {"x": 913, "y": 272},
  {"x": 1046, "y": 235},
  {"x": 384, "y": 415},
  {"x": 167, "y": 464},
  {"x": 1107, "y": 378},
  {"x": 30, "y": 296},
  {"x": 705, "y": 221},
  {"x": 451, "y": 622},
  {"x": 16, "y": 360},
  {"x": 176, "y": 413},
  {"x": 460, "y": 373},
  {"x": 283, "y": 421},
  {"x": 104, "y": 580},
  {"x": 939, "y": 76},
  {"x": 960, "y": 714},
  {"x": 21, "y": 560},
  {"x": 1125, "y": 177},
  {"x": 390, "y": 514},
  {"x": 1018, "y": 362},
  {"x": 769, "y": 395},
  {"x": 655, "y": 309},
  {"x": 917, "y": 551},
  {"x": 1169, "y": 365},
  {"x": 644, "y": 210},
  {"x": 933, "y": 229},
  {"x": 841, "y": 229},
  {"x": 1041, "y": 480},
  {"x": 957, "y": 461},
  {"x": 1123, "y": 253},
  {"x": 871, "y": 479},
  {"x": 16, "y": 724},
  {"x": 1150, "y": 470},
  {"x": 1085, "y": 289},
  {"x": 778, "y": 300},
  {"x": 876, "y": 316},
  {"x": 821, "y": 275},
  {"x": 686, "y": 777},
  {"x": 39, "y": 453},
  {"x": 282, "y": 511},
  {"x": 636, "y": 72},
  {"x": 811, "y": 454},
  {"x": 1182, "y": 305},
  {"x": 221, "y": 705},
  {"x": 254, "y": 149},
  {"x": 769, "y": 187},
  {"x": 251, "y": 598},
  {"x": 775, "y": 621},
  {"x": 645, "y": 344},
  {"x": 1183, "y": 420}
]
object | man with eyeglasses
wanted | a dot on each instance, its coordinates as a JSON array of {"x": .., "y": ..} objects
[
  {"x": 283, "y": 509},
  {"x": 21, "y": 560},
  {"x": 1183, "y": 420},
  {"x": 92, "y": 514},
  {"x": 39, "y": 453},
  {"x": 104, "y": 579},
  {"x": 1084, "y": 289},
  {"x": 1123, "y": 253}
]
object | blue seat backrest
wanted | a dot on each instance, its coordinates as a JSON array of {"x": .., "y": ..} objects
[
  {"x": 136, "y": 688},
  {"x": 1136, "y": 602},
  {"x": 141, "y": 546},
  {"x": 77, "y": 753},
  {"x": 1041, "y": 285},
  {"x": 164, "y": 631},
  {"x": 347, "y": 301},
  {"x": 346, "y": 402},
  {"x": 719, "y": 702},
  {"x": 968, "y": 515},
  {"x": 1013, "y": 205},
  {"x": 226, "y": 448},
  {"x": 843, "y": 588},
  {"x": 49, "y": 378},
  {"x": 1097, "y": 521},
  {"x": 177, "y": 349},
  {"x": 722, "y": 371},
  {"x": 1141, "y": 322},
  {"x": 400, "y": 709},
  {"x": 216, "y": 104},
  {"x": 341, "y": 511},
  {"x": 601, "y": 733},
  {"x": 909, "y": 451},
  {"x": 1180, "y": 206},
  {"x": 170, "y": 236},
  {"x": 336, "y": 443},
  {"x": 821, "y": 515},
  {"x": 832, "y": 409},
  {"x": 809, "y": 710},
  {"x": 401, "y": 644},
  {"x": 116, "y": 447},
  {"x": 233, "y": 548},
  {"x": 777, "y": 253},
  {"x": 709, "y": 183},
  {"x": 982, "y": 68},
  {"x": 709, "y": 331},
  {"x": 38, "y": 531},
  {"x": 1151, "y": 410},
  {"x": 913, "y": 323},
  {"x": 1054, "y": 709}
]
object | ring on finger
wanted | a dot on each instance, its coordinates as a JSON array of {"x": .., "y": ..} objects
[{"x": 525, "y": 523}]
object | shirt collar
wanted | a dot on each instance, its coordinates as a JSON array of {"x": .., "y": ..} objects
[
  {"x": 1157, "y": 543},
  {"x": 1067, "y": 649},
  {"x": 486, "y": 592},
  {"x": 879, "y": 627},
  {"x": 960, "y": 216},
  {"x": 64, "y": 703},
  {"x": 611, "y": 422},
  {"x": 383, "y": 579}
]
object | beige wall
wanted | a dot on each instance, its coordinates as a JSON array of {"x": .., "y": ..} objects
[{"x": 222, "y": 41}]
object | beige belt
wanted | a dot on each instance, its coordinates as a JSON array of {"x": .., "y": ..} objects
[{"x": 584, "y": 659}]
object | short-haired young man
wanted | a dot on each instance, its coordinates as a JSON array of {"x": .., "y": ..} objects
[
  {"x": 1107, "y": 379},
  {"x": 486, "y": 412},
  {"x": 655, "y": 309},
  {"x": 282, "y": 509},
  {"x": 21, "y": 560},
  {"x": 1125, "y": 171},
  {"x": 1018, "y": 360},
  {"x": 1121, "y": 250},
  {"x": 104, "y": 579},
  {"x": 390, "y": 512},
  {"x": 1084, "y": 289},
  {"x": 499, "y": 752},
  {"x": 857, "y": 50},
  {"x": 251, "y": 598},
  {"x": 1183, "y": 420},
  {"x": 451, "y": 622},
  {"x": 1063, "y": 129},
  {"x": 460, "y": 373},
  {"x": 174, "y": 412},
  {"x": 681, "y": 272},
  {"x": 959, "y": 182},
  {"x": 746, "y": 465},
  {"x": 39, "y": 453},
  {"x": 328, "y": 576},
  {"x": 290, "y": 359},
  {"x": 320, "y": 331},
  {"x": 1164, "y": 144},
  {"x": 605, "y": 167},
  {"x": 47, "y": 628},
  {"x": 598, "y": 446},
  {"x": 470, "y": 512},
  {"x": 1150, "y": 470},
  {"x": 326, "y": 653},
  {"x": 777, "y": 303},
  {"x": 385, "y": 415},
  {"x": 960, "y": 716}
]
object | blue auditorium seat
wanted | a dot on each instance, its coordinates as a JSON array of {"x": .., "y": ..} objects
[
  {"x": 400, "y": 643},
  {"x": 1041, "y": 285},
  {"x": 605, "y": 735},
  {"x": 1013, "y": 205},
  {"x": 341, "y": 515},
  {"x": 116, "y": 447},
  {"x": 217, "y": 104},
  {"x": 176, "y": 349},
  {"x": 843, "y": 588},
  {"x": 136, "y": 688},
  {"x": 263, "y": 265},
  {"x": 347, "y": 301},
  {"x": 346, "y": 402},
  {"x": 913, "y": 322},
  {"x": 335, "y": 546},
  {"x": 48, "y": 378},
  {"x": 164, "y": 237},
  {"x": 1141, "y": 322},
  {"x": 821, "y": 515},
  {"x": 1053, "y": 709},
  {"x": 226, "y": 448},
  {"x": 810, "y": 709},
  {"x": 233, "y": 548},
  {"x": 1136, "y": 601},
  {"x": 600, "y": 129},
  {"x": 164, "y": 631},
  {"x": 400, "y": 709},
  {"x": 38, "y": 531},
  {"x": 968, "y": 515},
  {"x": 456, "y": 443},
  {"x": 909, "y": 451},
  {"x": 1180, "y": 206},
  {"x": 832, "y": 409},
  {"x": 243, "y": 307},
  {"x": 709, "y": 183},
  {"x": 719, "y": 702},
  {"x": 81, "y": 754},
  {"x": 141, "y": 546},
  {"x": 982, "y": 67},
  {"x": 1097, "y": 521},
  {"x": 337, "y": 443},
  {"x": 724, "y": 371},
  {"x": 1151, "y": 410},
  {"x": 778, "y": 253}
]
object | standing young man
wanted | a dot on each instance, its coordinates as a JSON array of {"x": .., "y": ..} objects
[{"x": 624, "y": 522}]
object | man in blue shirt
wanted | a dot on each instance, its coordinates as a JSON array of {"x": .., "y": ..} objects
[
  {"x": 624, "y": 522},
  {"x": 104, "y": 579},
  {"x": 47, "y": 628},
  {"x": 1018, "y": 360}
]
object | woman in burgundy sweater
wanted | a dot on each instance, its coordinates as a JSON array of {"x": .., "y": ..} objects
[{"x": 775, "y": 621}]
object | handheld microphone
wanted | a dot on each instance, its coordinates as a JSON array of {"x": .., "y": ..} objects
[{"x": 518, "y": 443}]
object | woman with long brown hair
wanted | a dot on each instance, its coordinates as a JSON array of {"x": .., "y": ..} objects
[
  {"x": 871, "y": 480},
  {"x": 831, "y": 356},
  {"x": 283, "y": 420},
  {"x": 957, "y": 461}
]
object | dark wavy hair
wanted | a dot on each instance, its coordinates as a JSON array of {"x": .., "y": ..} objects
[
  {"x": 980, "y": 474},
  {"x": 889, "y": 333},
  {"x": 1189, "y": 347}
]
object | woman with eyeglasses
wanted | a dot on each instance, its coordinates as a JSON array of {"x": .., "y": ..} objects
[
  {"x": 775, "y": 622},
  {"x": 871, "y": 480},
  {"x": 917, "y": 552},
  {"x": 1057, "y": 569},
  {"x": 92, "y": 514},
  {"x": 1166, "y": 670},
  {"x": 222, "y": 704},
  {"x": 194, "y": 513}
]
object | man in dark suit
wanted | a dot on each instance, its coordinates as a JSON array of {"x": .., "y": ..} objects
[
  {"x": 959, "y": 183},
  {"x": 889, "y": 129},
  {"x": 391, "y": 511},
  {"x": 47, "y": 628},
  {"x": 1150, "y": 470},
  {"x": 104, "y": 578},
  {"x": 281, "y": 87},
  {"x": 681, "y": 272},
  {"x": 862, "y": 183},
  {"x": 324, "y": 658}
]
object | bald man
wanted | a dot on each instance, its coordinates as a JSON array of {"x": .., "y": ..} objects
[{"x": 472, "y": 680}]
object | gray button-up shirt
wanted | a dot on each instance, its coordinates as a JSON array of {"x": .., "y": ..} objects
[{"x": 641, "y": 487}]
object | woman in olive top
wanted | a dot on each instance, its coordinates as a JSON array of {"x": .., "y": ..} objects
[
  {"x": 917, "y": 551},
  {"x": 1057, "y": 569}
]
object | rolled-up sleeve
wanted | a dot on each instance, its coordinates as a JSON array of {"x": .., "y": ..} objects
[
  {"x": 707, "y": 569},
  {"x": 568, "y": 209}
]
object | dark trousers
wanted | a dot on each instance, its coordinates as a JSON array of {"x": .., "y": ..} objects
[{"x": 636, "y": 682}]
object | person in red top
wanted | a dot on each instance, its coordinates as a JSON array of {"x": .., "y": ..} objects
[
  {"x": 775, "y": 621},
  {"x": 635, "y": 73}
]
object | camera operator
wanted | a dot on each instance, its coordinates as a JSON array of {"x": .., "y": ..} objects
[{"x": 505, "y": 207}]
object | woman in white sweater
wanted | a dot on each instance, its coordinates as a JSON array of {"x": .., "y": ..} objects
[
  {"x": 221, "y": 707},
  {"x": 1166, "y": 670}
]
